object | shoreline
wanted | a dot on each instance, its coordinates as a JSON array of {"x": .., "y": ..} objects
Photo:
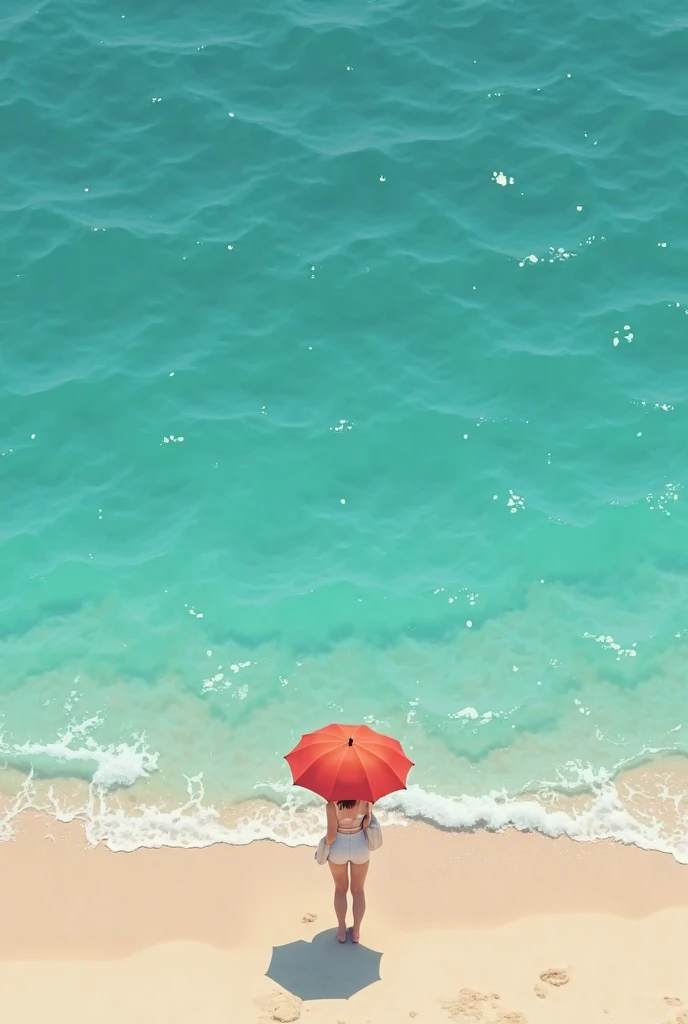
[
  {"x": 642, "y": 805},
  {"x": 176, "y": 935}
]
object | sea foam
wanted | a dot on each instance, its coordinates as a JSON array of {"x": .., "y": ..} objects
[
  {"x": 194, "y": 824},
  {"x": 293, "y": 817},
  {"x": 606, "y": 818},
  {"x": 108, "y": 767}
]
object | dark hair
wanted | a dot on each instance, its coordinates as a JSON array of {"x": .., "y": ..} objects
[{"x": 346, "y": 804}]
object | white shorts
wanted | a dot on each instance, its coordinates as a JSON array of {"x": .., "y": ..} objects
[{"x": 350, "y": 849}]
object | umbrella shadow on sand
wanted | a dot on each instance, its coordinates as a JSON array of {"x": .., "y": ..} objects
[{"x": 324, "y": 968}]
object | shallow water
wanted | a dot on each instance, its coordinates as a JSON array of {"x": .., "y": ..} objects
[{"x": 343, "y": 378}]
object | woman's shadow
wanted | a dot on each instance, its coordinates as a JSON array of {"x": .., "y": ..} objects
[{"x": 324, "y": 968}]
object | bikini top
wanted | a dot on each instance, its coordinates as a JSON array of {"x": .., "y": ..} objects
[{"x": 348, "y": 826}]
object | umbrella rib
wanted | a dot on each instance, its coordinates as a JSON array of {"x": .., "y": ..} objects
[
  {"x": 335, "y": 774},
  {"x": 323, "y": 753},
  {"x": 386, "y": 763},
  {"x": 369, "y": 744},
  {"x": 326, "y": 742}
]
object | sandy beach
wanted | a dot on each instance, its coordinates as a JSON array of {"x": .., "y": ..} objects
[{"x": 512, "y": 928}]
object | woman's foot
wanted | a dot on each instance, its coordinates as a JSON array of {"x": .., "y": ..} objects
[
  {"x": 355, "y": 934},
  {"x": 341, "y": 934}
]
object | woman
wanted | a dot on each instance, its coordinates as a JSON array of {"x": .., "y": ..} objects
[{"x": 347, "y": 821}]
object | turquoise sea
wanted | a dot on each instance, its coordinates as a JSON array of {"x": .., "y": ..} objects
[{"x": 343, "y": 376}]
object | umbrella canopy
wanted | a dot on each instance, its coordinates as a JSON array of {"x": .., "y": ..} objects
[{"x": 349, "y": 762}]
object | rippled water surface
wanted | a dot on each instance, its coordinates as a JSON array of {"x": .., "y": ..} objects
[{"x": 343, "y": 376}]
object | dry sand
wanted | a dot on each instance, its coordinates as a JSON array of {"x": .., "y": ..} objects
[{"x": 475, "y": 929}]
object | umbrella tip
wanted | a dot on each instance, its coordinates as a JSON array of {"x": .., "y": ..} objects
[{"x": 351, "y": 742}]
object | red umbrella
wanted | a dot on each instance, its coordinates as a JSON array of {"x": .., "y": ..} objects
[{"x": 349, "y": 762}]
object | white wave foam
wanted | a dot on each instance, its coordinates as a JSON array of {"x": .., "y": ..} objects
[
  {"x": 195, "y": 825},
  {"x": 295, "y": 818},
  {"x": 294, "y": 823},
  {"x": 606, "y": 818},
  {"x": 22, "y": 801},
  {"x": 113, "y": 765},
  {"x": 192, "y": 825}
]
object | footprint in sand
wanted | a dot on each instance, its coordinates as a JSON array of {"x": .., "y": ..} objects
[
  {"x": 472, "y": 1007},
  {"x": 279, "y": 1006},
  {"x": 285, "y": 1013},
  {"x": 555, "y": 976},
  {"x": 309, "y": 918},
  {"x": 682, "y": 1018},
  {"x": 540, "y": 992},
  {"x": 672, "y": 1000}
]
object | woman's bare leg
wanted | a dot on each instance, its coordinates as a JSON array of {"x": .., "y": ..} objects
[
  {"x": 358, "y": 877},
  {"x": 340, "y": 873}
]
